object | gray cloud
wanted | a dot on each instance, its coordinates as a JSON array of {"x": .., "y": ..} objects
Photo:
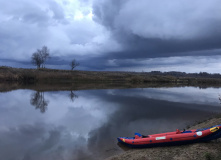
[
  {"x": 121, "y": 34},
  {"x": 26, "y": 26},
  {"x": 161, "y": 28},
  {"x": 41, "y": 12}
]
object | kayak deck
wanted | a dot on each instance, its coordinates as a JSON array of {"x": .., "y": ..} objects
[{"x": 172, "y": 138}]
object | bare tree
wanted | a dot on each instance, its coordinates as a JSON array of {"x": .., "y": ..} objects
[
  {"x": 74, "y": 64},
  {"x": 45, "y": 54},
  {"x": 37, "y": 59},
  {"x": 40, "y": 56}
]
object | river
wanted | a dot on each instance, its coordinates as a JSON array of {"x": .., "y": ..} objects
[{"x": 85, "y": 124}]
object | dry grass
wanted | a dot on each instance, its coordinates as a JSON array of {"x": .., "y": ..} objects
[{"x": 49, "y": 76}]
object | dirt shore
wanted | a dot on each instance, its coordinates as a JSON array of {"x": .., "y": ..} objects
[{"x": 202, "y": 151}]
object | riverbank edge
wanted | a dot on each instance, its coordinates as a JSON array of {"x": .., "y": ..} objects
[
  {"x": 55, "y": 76},
  {"x": 203, "y": 151}
]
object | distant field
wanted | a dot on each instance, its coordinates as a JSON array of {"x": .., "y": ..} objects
[{"x": 50, "y": 76}]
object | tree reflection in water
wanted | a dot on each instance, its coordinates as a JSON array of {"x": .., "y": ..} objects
[
  {"x": 73, "y": 96},
  {"x": 39, "y": 101},
  {"x": 220, "y": 99}
]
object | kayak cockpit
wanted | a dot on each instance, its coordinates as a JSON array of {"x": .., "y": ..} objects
[
  {"x": 138, "y": 136},
  {"x": 173, "y": 138}
]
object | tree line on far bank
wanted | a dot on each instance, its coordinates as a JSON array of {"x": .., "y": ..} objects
[{"x": 40, "y": 56}]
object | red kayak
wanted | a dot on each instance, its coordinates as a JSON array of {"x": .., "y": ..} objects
[{"x": 173, "y": 138}]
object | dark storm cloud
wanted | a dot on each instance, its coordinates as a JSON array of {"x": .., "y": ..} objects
[
  {"x": 119, "y": 33},
  {"x": 161, "y": 28}
]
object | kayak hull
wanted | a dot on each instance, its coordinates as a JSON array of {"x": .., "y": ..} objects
[{"x": 172, "y": 138}]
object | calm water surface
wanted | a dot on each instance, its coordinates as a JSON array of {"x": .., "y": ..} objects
[{"x": 85, "y": 124}]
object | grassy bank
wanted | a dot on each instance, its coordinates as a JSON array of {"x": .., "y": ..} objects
[
  {"x": 64, "y": 76},
  {"x": 49, "y": 76},
  {"x": 202, "y": 151}
]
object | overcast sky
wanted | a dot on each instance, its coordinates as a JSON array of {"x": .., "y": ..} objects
[{"x": 128, "y": 35}]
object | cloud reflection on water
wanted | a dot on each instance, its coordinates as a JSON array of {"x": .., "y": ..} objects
[{"x": 88, "y": 127}]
